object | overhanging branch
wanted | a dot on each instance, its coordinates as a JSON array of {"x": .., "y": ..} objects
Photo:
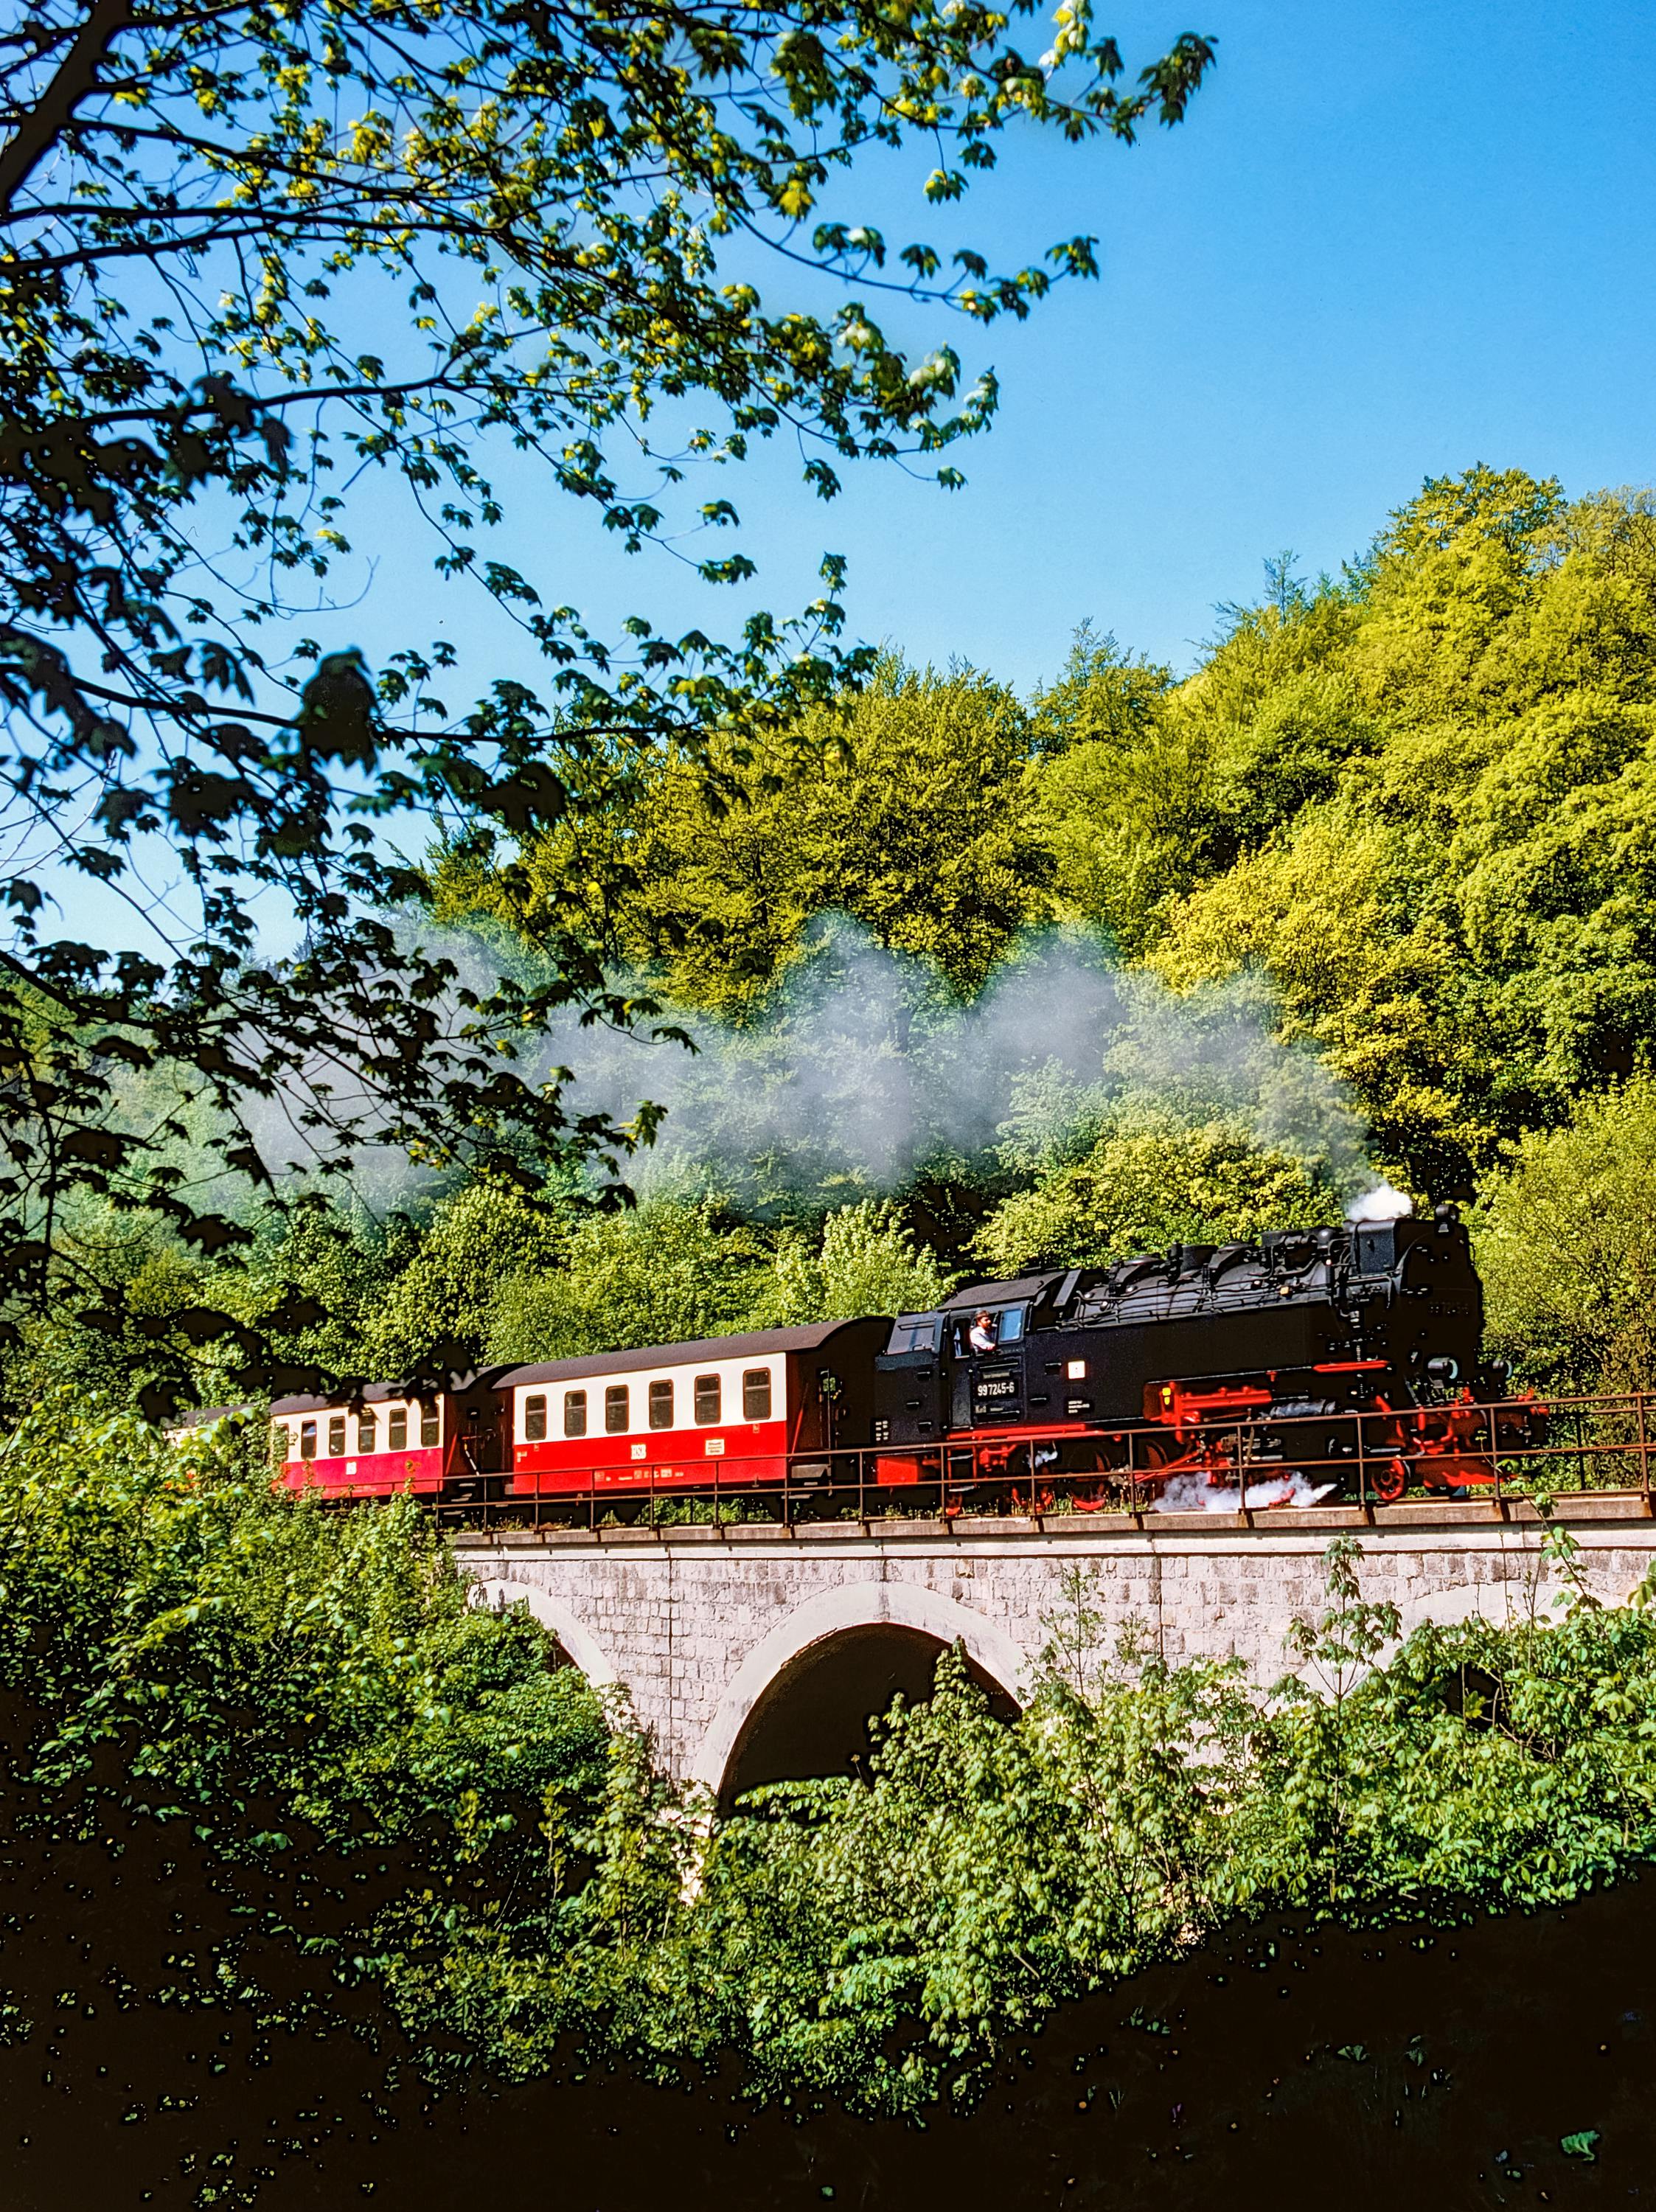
[{"x": 38, "y": 131}]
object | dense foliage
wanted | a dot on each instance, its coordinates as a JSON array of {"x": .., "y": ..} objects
[
  {"x": 297, "y": 1691},
  {"x": 407, "y": 1793},
  {"x": 918, "y": 780}
]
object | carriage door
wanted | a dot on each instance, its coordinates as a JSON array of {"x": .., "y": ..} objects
[
  {"x": 481, "y": 1443},
  {"x": 987, "y": 1345}
]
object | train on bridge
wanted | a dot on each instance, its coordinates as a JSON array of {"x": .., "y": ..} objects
[{"x": 1316, "y": 1364}]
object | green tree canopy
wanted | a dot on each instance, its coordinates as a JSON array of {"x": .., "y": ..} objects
[
  {"x": 1565, "y": 1237},
  {"x": 668, "y": 1272},
  {"x": 868, "y": 1261},
  {"x": 1448, "y": 888},
  {"x": 1149, "y": 1182},
  {"x": 904, "y": 808}
]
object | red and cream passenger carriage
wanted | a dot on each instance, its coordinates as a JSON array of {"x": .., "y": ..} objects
[
  {"x": 736, "y": 1411},
  {"x": 391, "y": 1438}
]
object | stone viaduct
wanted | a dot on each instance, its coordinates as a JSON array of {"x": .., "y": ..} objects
[{"x": 755, "y": 1653}]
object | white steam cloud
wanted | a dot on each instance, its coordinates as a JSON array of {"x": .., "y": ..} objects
[
  {"x": 864, "y": 1070},
  {"x": 1193, "y": 1493},
  {"x": 1382, "y": 1203}
]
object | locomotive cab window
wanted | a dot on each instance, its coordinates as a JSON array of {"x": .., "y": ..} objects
[
  {"x": 992, "y": 1328},
  {"x": 914, "y": 1332},
  {"x": 618, "y": 1410},
  {"x": 367, "y": 1429},
  {"x": 756, "y": 1394},
  {"x": 535, "y": 1418},
  {"x": 431, "y": 1426},
  {"x": 574, "y": 1413},
  {"x": 661, "y": 1405},
  {"x": 397, "y": 1429},
  {"x": 708, "y": 1396},
  {"x": 336, "y": 1437},
  {"x": 307, "y": 1440}
]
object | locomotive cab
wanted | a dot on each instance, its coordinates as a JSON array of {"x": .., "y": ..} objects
[{"x": 968, "y": 1365}]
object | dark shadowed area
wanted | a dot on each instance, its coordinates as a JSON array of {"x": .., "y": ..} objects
[
  {"x": 1434, "y": 2068},
  {"x": 814, "y": 1717}
]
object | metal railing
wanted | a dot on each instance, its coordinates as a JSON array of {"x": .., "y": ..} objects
[{"x": 1377, "y": 1461}]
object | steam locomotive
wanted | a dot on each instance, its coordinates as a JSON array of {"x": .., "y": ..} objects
[{"x": 1317, "y": 1363}]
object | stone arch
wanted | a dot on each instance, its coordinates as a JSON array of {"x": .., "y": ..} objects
[
  {"x": 832, "y": 1613},
  {"x": 497, "y": 1592}
]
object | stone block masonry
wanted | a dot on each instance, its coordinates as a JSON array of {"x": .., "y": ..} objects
[{"x": 700, "y": 1625}]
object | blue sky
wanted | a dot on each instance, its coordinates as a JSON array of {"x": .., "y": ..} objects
[{"x": 1392, "y": 239}]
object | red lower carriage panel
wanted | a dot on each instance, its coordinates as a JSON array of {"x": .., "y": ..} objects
[
  {"x": 370, "y": 1474},
  {"x": 744, "y": 1455}
]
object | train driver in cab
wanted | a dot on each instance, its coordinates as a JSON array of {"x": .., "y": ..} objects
[{"x": 981, "y": 1336}]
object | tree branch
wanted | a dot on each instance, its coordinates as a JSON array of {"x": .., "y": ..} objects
[{"x": 40, "y": 129}]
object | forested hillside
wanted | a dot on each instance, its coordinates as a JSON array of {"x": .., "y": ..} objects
[{"x": 977, "y": 980}]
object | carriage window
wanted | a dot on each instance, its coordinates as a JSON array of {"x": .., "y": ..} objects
[
  {"x": 618, "y": 1411},
  {"x": 661, "y": 1405},
  {"x": 397, "y": 1426},
  {"x": 282, "y": 1441},
  {"x": 914, "y": 1332},
  {"x": 431, "y": 1425},
  {"x": 708, "y": 1396},
  {"x": 574, "y": 1413},
  {"x": 535, "y": 1419},
  {"x": 336, "y": 1437},
  {"x": 756, "y": 1394},
  {"x": 307, "y": 1440},
  {"x": 368, "y": 1431}
]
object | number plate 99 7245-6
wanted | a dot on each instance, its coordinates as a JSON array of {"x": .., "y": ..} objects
[{"x": 996, "y": 1383}]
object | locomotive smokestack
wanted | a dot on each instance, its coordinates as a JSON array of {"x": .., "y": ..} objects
[{"x": 1382, "y": 1203}]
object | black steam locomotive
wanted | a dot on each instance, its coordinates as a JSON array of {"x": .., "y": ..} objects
[
  {"x": 1317, "y": 1362},
  {"x": 1228, "y": 1363}
]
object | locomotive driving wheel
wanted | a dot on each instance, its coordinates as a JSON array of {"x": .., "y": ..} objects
[{"x": 1388, "y": 1481}]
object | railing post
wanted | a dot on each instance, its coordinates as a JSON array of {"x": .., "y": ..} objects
[
  {"x": 1580, "y": 1452},
  {"x": 1495, "y": 1459},
  {"x": 1363, "y": 1506},
  {"x": 1644, "y": 1453}
]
